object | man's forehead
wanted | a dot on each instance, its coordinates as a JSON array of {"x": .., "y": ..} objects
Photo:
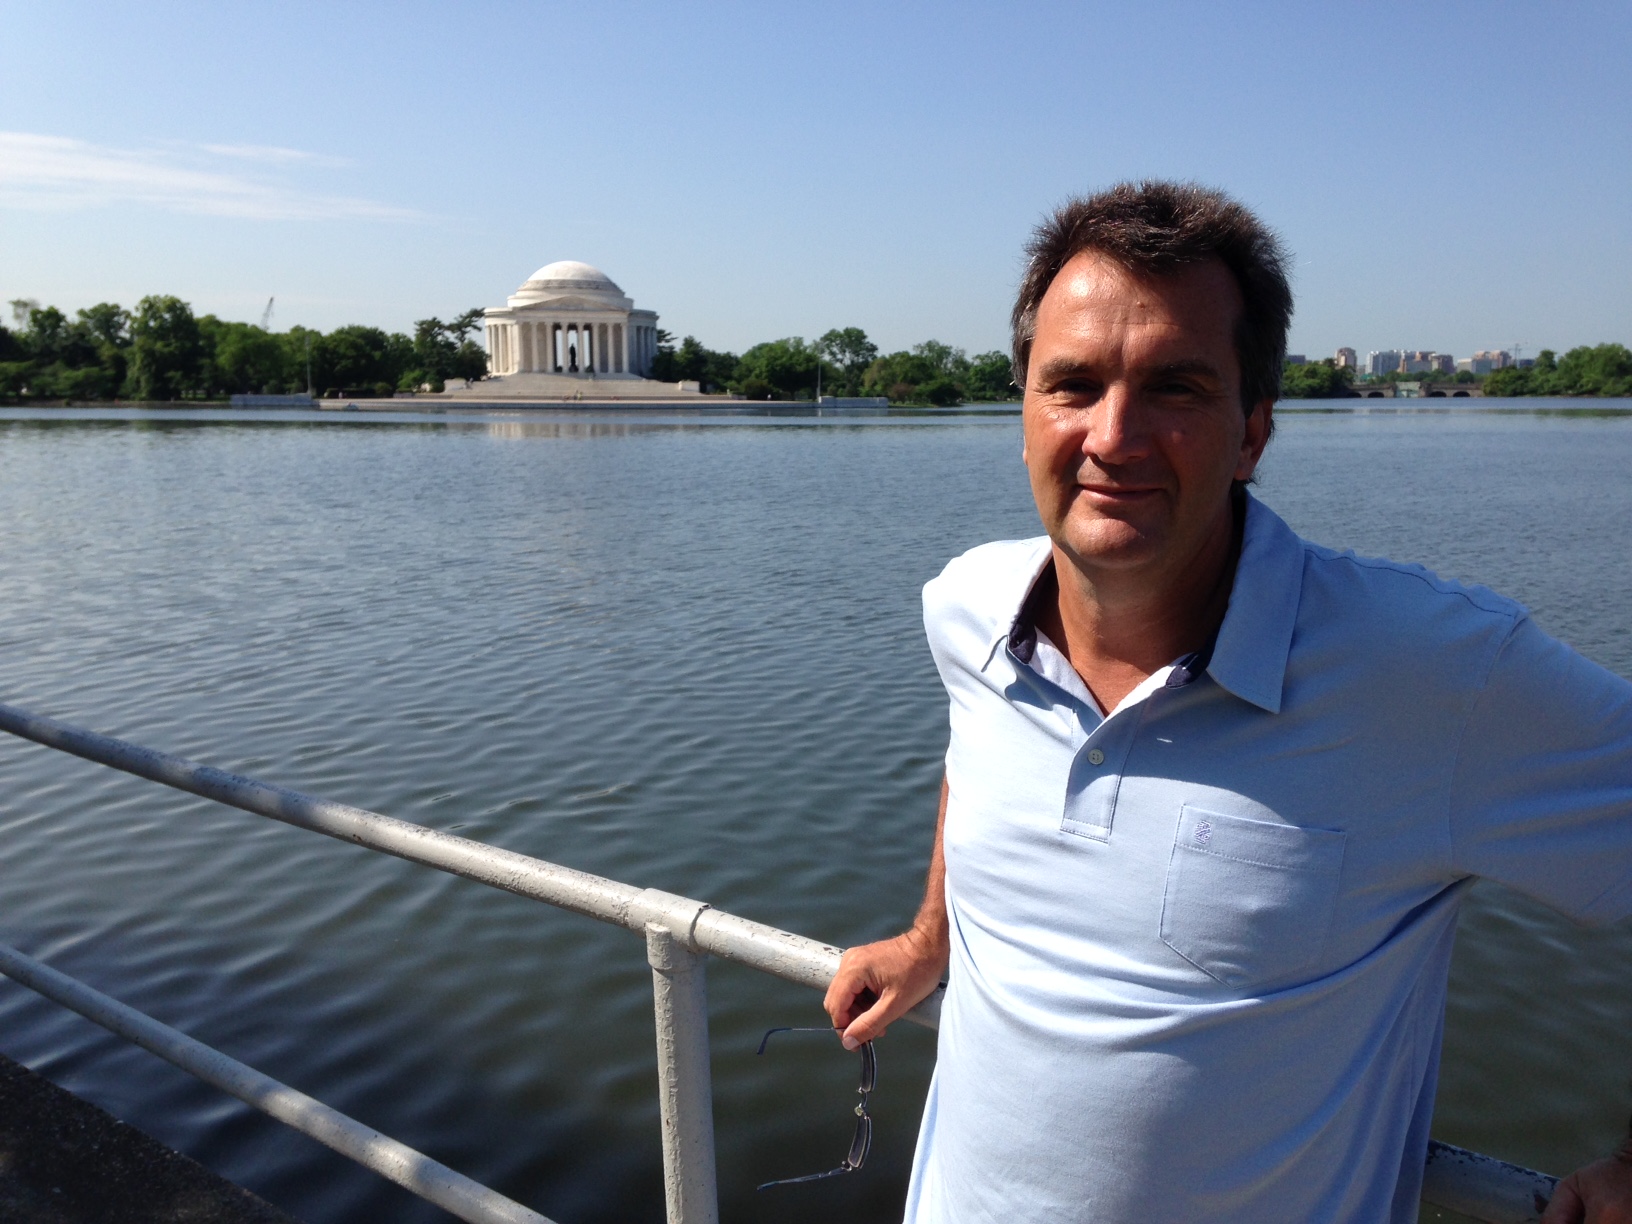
[{"x": 1200, "y": 295}]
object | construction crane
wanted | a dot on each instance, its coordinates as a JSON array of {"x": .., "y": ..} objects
[{"x": 266, "y": 315}]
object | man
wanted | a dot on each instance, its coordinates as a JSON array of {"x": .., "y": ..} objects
[{"x": 1213, "y": 793}]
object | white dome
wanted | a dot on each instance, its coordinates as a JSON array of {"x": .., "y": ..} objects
[{"x": 569, "y": 273}]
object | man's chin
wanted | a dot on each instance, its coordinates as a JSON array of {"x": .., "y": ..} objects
[{"x": 1110, "y": 545}]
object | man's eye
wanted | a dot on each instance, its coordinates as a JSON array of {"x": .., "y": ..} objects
[{"x": 1075, "y": 386}]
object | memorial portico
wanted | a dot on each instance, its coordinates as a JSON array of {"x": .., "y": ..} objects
[{"x": 569, "y": 319}]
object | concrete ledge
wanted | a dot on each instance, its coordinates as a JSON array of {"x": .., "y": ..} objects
[{"x": 64, "y": 1161}]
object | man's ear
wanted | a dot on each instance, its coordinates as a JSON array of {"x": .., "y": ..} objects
[{"x": 1260, "y": 423}]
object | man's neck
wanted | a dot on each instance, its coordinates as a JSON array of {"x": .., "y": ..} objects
[{"x": 1119, "y": 629}]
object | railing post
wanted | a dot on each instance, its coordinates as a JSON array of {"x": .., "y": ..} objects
[{"x": 685, "y": 1092}]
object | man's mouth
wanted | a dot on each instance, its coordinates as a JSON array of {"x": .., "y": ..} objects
[{"x": 1118, "y": 495}]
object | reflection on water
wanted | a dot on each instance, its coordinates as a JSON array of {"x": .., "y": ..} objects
[
  {"x": 552, "y": 428},
  {"x": 680, "y": 651}
]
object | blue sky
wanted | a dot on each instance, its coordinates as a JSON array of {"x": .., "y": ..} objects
[{"x": 1450, "y": 176}]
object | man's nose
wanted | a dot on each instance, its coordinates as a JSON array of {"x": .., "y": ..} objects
[{"x": 1118, "y": 431}]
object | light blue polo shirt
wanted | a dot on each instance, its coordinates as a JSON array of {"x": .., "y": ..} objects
[{"x": 1200, "y": 946}]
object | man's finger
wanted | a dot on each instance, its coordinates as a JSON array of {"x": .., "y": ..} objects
[
  {"x": 842, "y": 991},
  {"x": 874, "y": 1022}
]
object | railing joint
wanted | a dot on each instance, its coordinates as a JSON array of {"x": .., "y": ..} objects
[{"x": 676, "y": 914}]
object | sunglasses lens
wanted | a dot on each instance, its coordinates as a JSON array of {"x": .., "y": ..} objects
[
  {"x": 869, "y": 1067},
  {"x": 861, "y": 1144}
]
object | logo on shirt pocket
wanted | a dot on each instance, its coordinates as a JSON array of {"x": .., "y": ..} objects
[{"x": 1249, "y": 902}]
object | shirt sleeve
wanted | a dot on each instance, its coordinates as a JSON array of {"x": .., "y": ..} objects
[{"x": 1541, "y": 796}]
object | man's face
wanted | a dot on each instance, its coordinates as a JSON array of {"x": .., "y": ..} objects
[{"x": 1134, "y": 428}]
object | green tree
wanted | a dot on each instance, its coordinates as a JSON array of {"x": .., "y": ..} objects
[
  {"x": 1321, "y": 379},
  {"x": 243, "y": 358},
  {"x": 440, "y": 351},
  {"x": 50, "y": 337},
  {"x": 1514, "y": 381},
  {"x": 913, "y": 377},
  {"x": 358, "y": 358},
  {"x": 664, "y": 367},
  {"x": 107, "y": 323},
  {"x": 846, "y": 353},
  {"x": 713, "y": 370},
  {"x": 53, "y": 357},
  {"x": 167, "y": 349},
  {"x": 991, "y": 378},
  {"x": 1604, "y": 369},
  {"x": 940, "y": 391},
  {"x": 778, "y": 369},
  {"x": 106, "y": 327},
  {"x": 14, "y": 366}
]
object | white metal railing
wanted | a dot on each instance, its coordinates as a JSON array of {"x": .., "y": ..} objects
[
  {"x": 679, "y": 934},
  {"x": 467, "y": 1199}
]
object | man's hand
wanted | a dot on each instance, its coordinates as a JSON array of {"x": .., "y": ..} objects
[
  {"x": 878, "y": 982},
  {"x": 1600, "y": 1193}
]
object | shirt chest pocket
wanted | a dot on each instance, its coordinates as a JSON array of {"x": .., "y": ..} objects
[{"x": 1249, "y": 902}]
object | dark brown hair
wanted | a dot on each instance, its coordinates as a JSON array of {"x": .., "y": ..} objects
[{"x": 1155, "y": 228}]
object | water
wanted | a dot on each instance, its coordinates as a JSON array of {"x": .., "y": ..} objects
[{"x": 683, "y": 652}]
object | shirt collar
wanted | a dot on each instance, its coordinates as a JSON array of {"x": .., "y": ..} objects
[
  {"x": 1255, "y": 640},
  {"x": 1249, "y": 654}
]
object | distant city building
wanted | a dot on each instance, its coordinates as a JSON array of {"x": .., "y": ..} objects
[
  {"x": 1296, "y": 359},
  {"x": 1526, "y": 363},
  {"x": 1426, "y": 361},
  {"x": 1347, "y": 359},
  {"x": 1383, "y": 361},
  {"x": 1486, "y": 360}
]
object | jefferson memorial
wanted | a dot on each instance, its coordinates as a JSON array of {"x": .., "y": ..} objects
[{"x": 569, "y": 333}]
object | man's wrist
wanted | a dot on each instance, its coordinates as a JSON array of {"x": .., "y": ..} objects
[{"x": 929, "y": 940}]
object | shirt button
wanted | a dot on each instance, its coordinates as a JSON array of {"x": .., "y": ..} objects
[{"x": 1095, "y": 757}]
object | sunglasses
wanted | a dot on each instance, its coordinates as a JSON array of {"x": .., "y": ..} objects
[{"x": 863, "y": 1138}]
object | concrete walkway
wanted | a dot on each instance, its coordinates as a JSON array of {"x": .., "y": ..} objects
[{"x": 64, "y": 1161}]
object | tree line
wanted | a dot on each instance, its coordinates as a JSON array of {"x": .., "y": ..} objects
[
  {"x": 1325, "y": 379},
  {"x": 1604, "y": 369},
  {"x": 841, "y": 362},
  {"x": 162, "y": 351}
]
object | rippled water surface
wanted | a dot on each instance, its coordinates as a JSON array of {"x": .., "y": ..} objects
[{"x": 683, "y": 652}]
